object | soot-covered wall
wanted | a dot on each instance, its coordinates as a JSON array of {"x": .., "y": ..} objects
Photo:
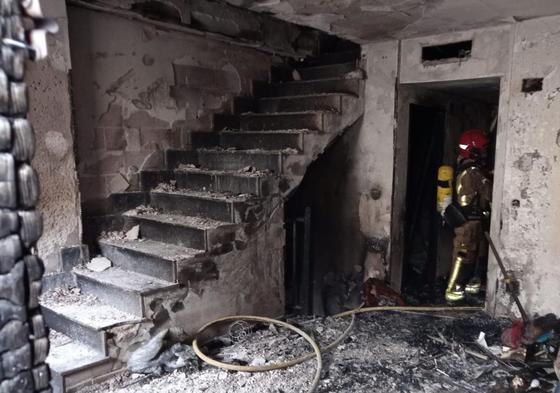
[{"x": 139, "y": 90}]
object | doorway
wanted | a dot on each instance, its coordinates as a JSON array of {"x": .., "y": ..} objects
[
  {"x": 425, "y": 155},
  {"x": 432, "y": 118}
]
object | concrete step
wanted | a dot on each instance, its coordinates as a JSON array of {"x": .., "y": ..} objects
[
  {"x": 205, "y": 139},
  {"x": 83, "y": 318},
  {"x": 253, "y": 182},
  {"x": 204, "y": 204},
  {"x": 152, "y": 178},
  {"x": 186, "y": 236},
  {"x": 74, "y": 365},
  {"x": 122, "y": 201},
  {"x": 305, "y": 88},
  {"x": 281, "y": 73},
  {"x": 147, "y": 256},
  {"x": 312, "y": 120},
  {"x": 314, "y": 102},
  {"x": 269, "y": 140},
  {"x": 174, "y": 158},
  {"x": 234, "y": 160},
  {"x": 222, "y": 121},
  {"x": 329, "y": 58},
  {"x": 124, "y": 290},
  {"x": 327, "y": 71},
  {"x": 242, "y": 105}
]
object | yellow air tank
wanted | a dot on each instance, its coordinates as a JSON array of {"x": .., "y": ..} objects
[{"x": 444, "y": 188}]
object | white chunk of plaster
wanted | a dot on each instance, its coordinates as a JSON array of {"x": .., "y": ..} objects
[
  {"x": 258, "y": 362},
  {"x": 133, "y": 233},
  {"x": 99, "y": 264}
]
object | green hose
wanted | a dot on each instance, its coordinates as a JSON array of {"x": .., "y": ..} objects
[{"x": 317, "y": 351}]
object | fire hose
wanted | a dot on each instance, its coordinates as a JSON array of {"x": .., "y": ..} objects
[{"x": 317, "y": 351}]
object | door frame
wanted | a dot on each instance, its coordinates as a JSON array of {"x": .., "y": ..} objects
[{"x": 415, "y": 93}]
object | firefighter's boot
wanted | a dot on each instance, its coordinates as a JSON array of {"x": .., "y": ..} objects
[
  {"x": 462, "y": 268},
  {"x": 473, "y": 286}
]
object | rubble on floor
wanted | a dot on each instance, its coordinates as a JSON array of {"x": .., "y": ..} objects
[{"x": 385, "y": 352}]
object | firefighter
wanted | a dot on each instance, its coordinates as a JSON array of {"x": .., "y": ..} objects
[{"x": 473, "y": 188}]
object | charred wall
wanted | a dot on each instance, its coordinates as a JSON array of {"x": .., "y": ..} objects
[{"x": 139, "y": 90}]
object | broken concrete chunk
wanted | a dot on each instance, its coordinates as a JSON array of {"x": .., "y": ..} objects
[
  {"x": 133, "y": 233},
  {"x": 99, "y": 264},
  {"x": 258, "y": 361}
]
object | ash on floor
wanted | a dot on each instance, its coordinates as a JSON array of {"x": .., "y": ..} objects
[{"x": 385, "y": 352}]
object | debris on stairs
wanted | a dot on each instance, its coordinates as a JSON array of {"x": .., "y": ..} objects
[{"x": 80, "y": 325}]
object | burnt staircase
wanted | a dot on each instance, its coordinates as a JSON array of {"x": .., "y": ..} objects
[{"x": 199, "y": 219}]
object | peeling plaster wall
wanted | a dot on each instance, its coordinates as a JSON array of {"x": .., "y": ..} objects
[
  {"x": 530, "y": 232},
  {"x": 377, "y": 131},
  {"x": 51, "y": 115},
  {"x": 139, "y": 90}
]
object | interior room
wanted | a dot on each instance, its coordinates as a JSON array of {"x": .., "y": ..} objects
[{"x": 279, "y": 196}]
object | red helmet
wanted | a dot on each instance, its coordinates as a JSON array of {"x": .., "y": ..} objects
[{"x": 472, "y": 139}]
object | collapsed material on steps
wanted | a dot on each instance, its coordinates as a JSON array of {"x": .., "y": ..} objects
[{"x": 301, "y": 359}]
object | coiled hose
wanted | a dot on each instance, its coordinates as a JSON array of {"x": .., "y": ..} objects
[{"x": 317, "y": 351}]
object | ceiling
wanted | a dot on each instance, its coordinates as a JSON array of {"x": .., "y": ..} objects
[{"x": 374, "y": 20}]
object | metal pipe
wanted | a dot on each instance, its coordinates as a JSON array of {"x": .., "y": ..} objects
[{"x": 507, "y": 278}]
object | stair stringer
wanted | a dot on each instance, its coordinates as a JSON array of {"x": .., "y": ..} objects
[
  {"x": 235, "y": 277},
  {"x": 247, "y": 279},
  {"x": 294, "y": 166}
]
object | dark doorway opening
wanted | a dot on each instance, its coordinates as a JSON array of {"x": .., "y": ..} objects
[
  {"x": 437, "y": 114},
  {"x": 425, "y": 154}
]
